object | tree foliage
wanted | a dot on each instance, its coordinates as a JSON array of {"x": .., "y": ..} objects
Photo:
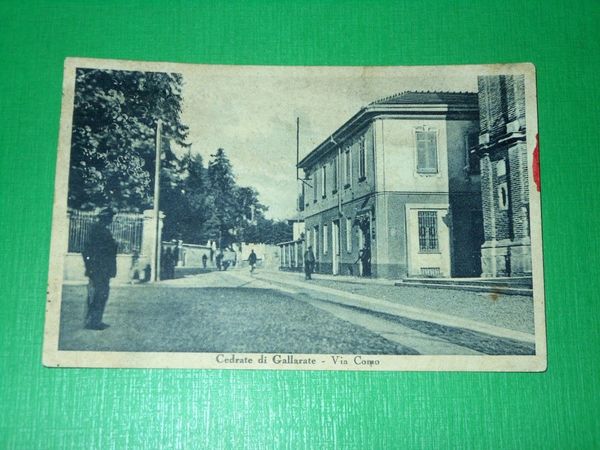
[
  {"x": 113, "y": 161},
  {"x": 112, "y": 144}
]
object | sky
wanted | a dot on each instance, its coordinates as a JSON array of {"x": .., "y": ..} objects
[{"x": 251, "y": 113}]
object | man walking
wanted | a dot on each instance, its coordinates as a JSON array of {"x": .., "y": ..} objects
[
  {"x": 252, "y": 260},
  {"x": 100, "y": 260},
  {"x": 309, "y": 263}
]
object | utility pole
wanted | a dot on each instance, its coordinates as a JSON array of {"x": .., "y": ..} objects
[
  {"x": 157, "y": 234},
  {"x": 299, "y": 186}
]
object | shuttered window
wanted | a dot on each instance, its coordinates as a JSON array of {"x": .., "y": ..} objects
[
  {"x": 427, "y": 159},
  {"x": 347, "y": 168},
  {"x": 362, "y": 160},
  {"x": 349, "y": 235}
]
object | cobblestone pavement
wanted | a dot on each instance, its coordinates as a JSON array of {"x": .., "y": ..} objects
[
  {"x": 438, "y": 336},
  {"x": 509, "y": 311},
  {"x": 214, "y": 319},
  {"x": 236, "y": 311}
]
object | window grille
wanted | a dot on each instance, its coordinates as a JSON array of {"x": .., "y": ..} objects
[
  {"x": 431, "y": 272},
  {"x": 428, "y": 232}
]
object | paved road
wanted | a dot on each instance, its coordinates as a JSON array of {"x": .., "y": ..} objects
[{"x": 236, "y": 311}]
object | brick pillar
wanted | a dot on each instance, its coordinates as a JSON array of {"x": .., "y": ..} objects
[
  {"x": 520, "y": 247},
  {"x": 488, "y": 249}
]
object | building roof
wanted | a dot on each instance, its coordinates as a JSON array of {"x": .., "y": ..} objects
[
  {"x": 404, "y": 104},
  {"x": 427, "y": 98}
]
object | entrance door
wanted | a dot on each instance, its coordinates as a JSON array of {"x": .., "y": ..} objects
[
  {"x": 335, "y": 247},
  {"x": 364, "y": 244}
]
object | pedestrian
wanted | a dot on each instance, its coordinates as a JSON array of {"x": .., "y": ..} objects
[
  {"x": 218, "y": 260},
  {"x": 364, "y": 256},
  {"x": 174, "y": 261},
  {"x": 252, "y": 260},
  {"x": 204, "y": 259},
  {"x": 309, "y": 263},
  {"x": 100, "y": 260},
  {"x": 165, "y": 261}
]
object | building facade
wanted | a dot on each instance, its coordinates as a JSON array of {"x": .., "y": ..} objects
[
  {"x": 504, "y": 176},
  {"x": 399, "y": 180}
]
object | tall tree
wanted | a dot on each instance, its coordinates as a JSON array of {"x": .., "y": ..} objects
[
  {"x": 222, "y": 198},
  {"x": 268, "y": 231},
  {"x": 195, "y": 188},
  {"x": 114, "y": 125}
]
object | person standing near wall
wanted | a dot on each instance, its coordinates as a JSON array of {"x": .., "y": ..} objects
[
  {"x": 165, "y": 262},
  {"x": 100, "y": 260},
  {"x": 309, "y": 263},
  {"x": 364, "y": 256}
]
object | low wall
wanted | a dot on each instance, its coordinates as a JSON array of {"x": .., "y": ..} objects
[{"x": 191, "y": 256}]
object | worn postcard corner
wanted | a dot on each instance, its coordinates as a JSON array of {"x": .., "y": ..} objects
[{"x": 311, "y": 218}]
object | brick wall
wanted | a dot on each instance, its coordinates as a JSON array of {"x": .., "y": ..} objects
[
  {"x": 501, "y": 102},
  {"x": 504, "y": 174}
]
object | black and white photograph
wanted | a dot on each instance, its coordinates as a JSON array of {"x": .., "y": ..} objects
[{"x": 305, "y": 218}]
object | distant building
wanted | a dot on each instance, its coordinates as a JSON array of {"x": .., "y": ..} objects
[
  {"x": 399, "y": 179},
  {"x": 291, "y": 252},
  {"x": 504, "y": 176}
]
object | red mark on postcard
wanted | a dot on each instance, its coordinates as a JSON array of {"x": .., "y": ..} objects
[{"x": 536, "y": 164}]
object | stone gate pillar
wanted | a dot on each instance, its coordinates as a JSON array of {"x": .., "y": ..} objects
[{"x": 148, "y": 257}]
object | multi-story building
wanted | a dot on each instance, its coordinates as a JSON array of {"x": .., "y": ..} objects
[
  {"x": 398, "y": 178},
  {"x": 504, "y": 176}
]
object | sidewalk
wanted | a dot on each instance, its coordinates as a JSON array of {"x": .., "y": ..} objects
[
  {"x": 341, "y": 278},
  {"x": 506, "y": 285},
  {"x": 509, "y": 316},
  {"x": 500, "y": 285}
]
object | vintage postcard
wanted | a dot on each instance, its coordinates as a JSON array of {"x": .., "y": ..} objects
[{"x": 312, "y": 218}]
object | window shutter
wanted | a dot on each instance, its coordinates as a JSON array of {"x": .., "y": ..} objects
[
  {"x": 431, "y": 152},
  {"x": 421, "y": 152},
  {"x": 426, "y": 152}
]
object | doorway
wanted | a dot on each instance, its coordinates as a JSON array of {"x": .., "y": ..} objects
[{"x": 335, "y": 241}]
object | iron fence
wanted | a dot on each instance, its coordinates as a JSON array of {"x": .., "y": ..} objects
[{"x": 126, "y": 229}]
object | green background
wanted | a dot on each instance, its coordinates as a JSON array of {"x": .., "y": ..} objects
[{"x": 114, "y": 409}]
